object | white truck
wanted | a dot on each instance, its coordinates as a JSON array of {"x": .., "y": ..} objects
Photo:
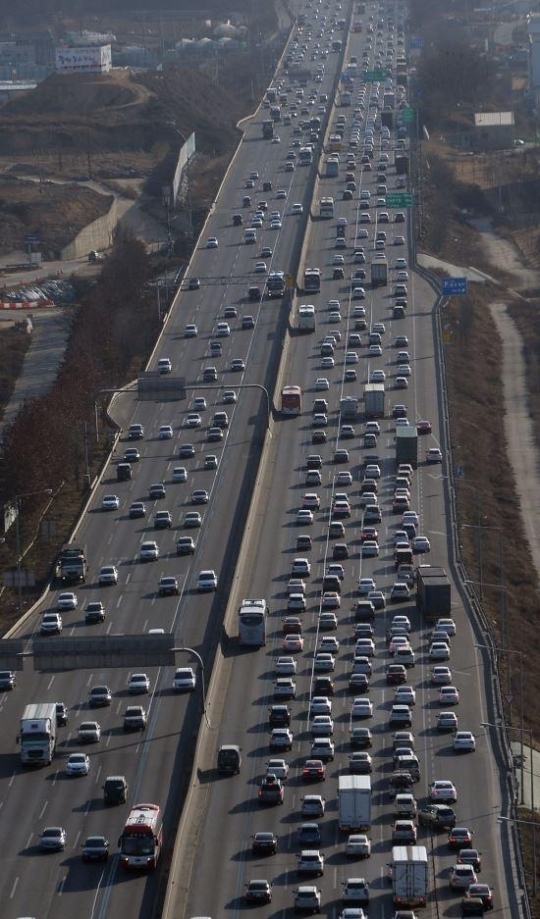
[
  {"x": 409, "y": 874},
  {"x": 37, "y": 735},
  {"x": 374, "y": 400},
  {"x": 354, "y": 803}
]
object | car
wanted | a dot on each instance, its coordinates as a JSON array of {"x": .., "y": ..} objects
[
  {"x": 404, "y": 833},
  {"x": 434, "y": 456},
  {"x": 442, "y": 790},
  {"x": 165, "y": 432},
  {"x": 285, "y": 666},
  {"x": 370, "y": 548},
  {"x": 186, "y": 451},
  {"x": 361, "y": 708},
  {"x": 448, "y": 695},
  {"x": 238, "y": 365},
  {"x": 168, "y": 586},
  {"x": 441, "y": 675},
  {"x": 95, "y": 849},
  {"x": 192, "y": 519},
  {"x": 229, "y": 397},
  {"x": 307, "y": 899},
  {"x": 66, "y": 601},
  {"x": 193, "y": 420},
  {"x": 132, "y": 455},
  {"x": 200, "y": 496},
  {"x": 439, "y": 651},
  {"x": 358, "y": 845},
  {"x": 464, "y": 742},
  {"x": 212, "y": 242},
  {"x": 270, "y": 790},
  {"x": 460, "y": 837},
  {"x": 184, "y": 679},
  {"x": 185, "y": 545},
  {"x": 293, "y": 643},
  {"x": 462, "y": 876},
  {"x": 420, "y": 544},
  {"x": 313, "y": 770},
  {"x": 437, "y": 817},
  {"x": 135, "y": 718},
  {"x": 77, "y": 764},
  {"x": 360, "y": 763},
  {"x": 207, "y": 581},
  {"x": 355, "y": 890},
  {"x": 313, "y": 806},
  {"x": 94, "y": 612},
  {"x": 264, "y": 843},
  {"x": 110, "y": 503},
  {"x": 320, "y": 705},
  {"x": 468, "y": 856},
  {"x": 108, "y": 574},
  {"x": 149, "y": 551},
  {"x": 259, "y": 268},
  {"x": 322, "y": 726},
  {"x": 482, "y": 892},
  {"x": 135, "y": 432},
  {"x": 405, "y": 694},
  {"x": 194, "y": 284},
  {"x": 191, "y": 330},
  {"x": 447, "y": 721},
  {"x": 52, "y": 839},
  {"x": 258, "y": 891},
  {"x": 89, "y": 732},
  {"x": 138, "y": 683},
  {"x": 281, "y": 739},
  {"x": 446, "y": 625},
  {"x": 424, "y": 427}
]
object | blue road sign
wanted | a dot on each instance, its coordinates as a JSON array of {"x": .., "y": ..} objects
[
  {"x": 417, "y": 42},
  {"x": 31, "y": 239},
  {"x": 454, "y": 286}
]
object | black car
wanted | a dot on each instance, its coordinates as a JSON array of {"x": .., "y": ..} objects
[
  {"x": 95, "y": 849},
  {"x": 94, "y": 612},
  {"x": 279, "y": 716},
  {"x": 7, "y": 679},
  {"x": 61, "y": 714},
  {"x": 264, "y": 844},
  {"x": 437, "y": 817},
  {"x": 324, "y": 686}
]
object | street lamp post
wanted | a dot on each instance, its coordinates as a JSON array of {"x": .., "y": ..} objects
[
  {"x": 16, "y": 502},
  {"x": 203, "y": 688},
  {"x": 526, "y": 823}
]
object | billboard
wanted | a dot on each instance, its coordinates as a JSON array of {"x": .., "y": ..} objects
[{"x": 91, "y": 59}]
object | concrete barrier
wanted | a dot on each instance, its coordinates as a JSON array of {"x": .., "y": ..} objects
[{"x": 96, "y": 235}]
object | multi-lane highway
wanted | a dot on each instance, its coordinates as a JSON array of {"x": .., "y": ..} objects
[{"x": 212, "y": 875}]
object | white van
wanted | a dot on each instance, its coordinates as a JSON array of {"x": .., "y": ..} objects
[{"x": 250, "y": 236}]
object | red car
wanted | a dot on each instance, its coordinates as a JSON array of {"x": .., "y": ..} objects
[
  {"x": 313, "y": 770},
  {"x": 369, "y": 533},
  {"x": 423, "y": 427},
  {"x": 292, "y": 625}
]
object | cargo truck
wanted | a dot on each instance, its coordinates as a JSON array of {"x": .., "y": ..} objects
[
  {"x": 72, "y": 566},
  {"x": 379, "y": 272},
  {"x": 407, "y": 446},
  {"x": 268, "y": 129},
  {"x": 402, "y": 164},
  {"x": 312, "y": 280},
  {"x": 348, "y": 408},
  {"x": 387, "y": 119},
  {"x": 37, "y": 735},
  {"x": 410, "y": 876},
  {"x": 354, "y": 803},
  {"x": 374, "y": 400},
  {"x": 433, "y": 592},
  {"x": 332, "y": 167}
]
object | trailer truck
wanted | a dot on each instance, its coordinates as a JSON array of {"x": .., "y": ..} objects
[
  {"x": 407, "y": 446},
  {"x": 37, "y": 734},
  {"x": 374, "y": 400},
  {"x": 354, "y": 803},
  {"x": 379, "y": 272},
  {"x": 433, "y": 592},
  {"x": 410, "y": 876}
]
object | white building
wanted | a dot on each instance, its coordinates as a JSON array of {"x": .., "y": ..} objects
[{"x": 90, "y": 59}]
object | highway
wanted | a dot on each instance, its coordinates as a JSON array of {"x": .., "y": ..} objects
[
  {"x": 154, "y": 764},
  {"x": 56, "y": 885}
]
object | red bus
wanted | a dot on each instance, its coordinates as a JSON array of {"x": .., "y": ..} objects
[
  {"x": 141, "y": 840},
  {"x": 291, "y": 400}
]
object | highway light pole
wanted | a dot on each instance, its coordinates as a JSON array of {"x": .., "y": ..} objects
[
  {"x": 16, "y": 502},
  {"x": 199, "y": 658},
  {"x": 522, "y": 729},
  {"x": 526, "y": 823}
]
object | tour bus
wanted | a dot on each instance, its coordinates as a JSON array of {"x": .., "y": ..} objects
[
  {"x": 291, "y": 400},
  {"x": 142, "y": 837},
  {"x": 252, "y": 617}
]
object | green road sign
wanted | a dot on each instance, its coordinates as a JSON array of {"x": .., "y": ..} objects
[
  {"x": 407, "y": 115},
  {"x": 375, "y": 76},
  {"x": 399, "y": 199}
]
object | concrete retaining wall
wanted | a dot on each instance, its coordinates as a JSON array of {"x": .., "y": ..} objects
[{"x": 97, "y": 235}]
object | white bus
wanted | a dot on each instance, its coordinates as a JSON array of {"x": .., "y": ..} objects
[{"x": 326, "y": 208}]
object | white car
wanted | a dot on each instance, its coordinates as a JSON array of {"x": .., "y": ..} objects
[
  {"x": 179, "y": 474},
  {"x": 66, "y": 600},
  {"x": 442, "y": 790},
  {"x": 297, "y": 209},
  {"x": 285, "y": 666},
  {"x": 358, "y": 846},
  {"x": 277, "y": 767},
  {"x": 138, "y": 683},
  {"x": 78, "y": 764},
  {"x": 321, "y": 384},
  {"x": 448, "y": 694},
  {"x": 441, "y": 675},
  {"x": 464, "y": 742},
  {"x": 212, "y": 242},
  {"x": 110, "y": 503},
  {"x": 439, "y": 651},
  {"x": 320, "y": 705},
  {"x": 193, "y": 420},
  {"x": 365, "y": 585},
  {"x": 165, "y": 432},
  {"x": 184, "y": 679},
  {"x": 405, "y": 694},
  {"x": 149, "y": 551},
  {"x": 322, "y": 726},
  {"x": 361, "y": 708}
]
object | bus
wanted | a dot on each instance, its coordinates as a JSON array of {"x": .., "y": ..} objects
[
  {"x": 305, "y": 317},
  {"x": 291, "y": 400},
  {"x": 312, "y": 280},
  {"x": 305, "y": 156},
  {"x": 142, "y": 837},
  {"x": 326, "y": 208},
  {"x": 252, "y": 616}
]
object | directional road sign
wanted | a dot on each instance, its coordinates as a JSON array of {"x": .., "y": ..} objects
[
  {"x": 375, "y": 76},
  {"x": 406, "y": 115},
  {"x": 454, "y": 286},
  {"x": 399, "y": 199}
]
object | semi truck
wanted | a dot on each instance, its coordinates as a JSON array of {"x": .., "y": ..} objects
[
  {"x": 72, "y": 566},
  {"x": 433, "y": 592},
  {"x": 407, "y": 446},
  {"x": 379, "y": 272},
  {"x": 354, "y": 803},
  {"x": 374, "y": 400},
  {"x": 409, "y": 873},
  {"x": 402, "y": 164},
  {"x": 37, "y": 735}
]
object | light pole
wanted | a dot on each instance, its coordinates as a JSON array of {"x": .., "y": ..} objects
[
  {"x": 521, "y": 728},
  {"x": 525, "y": 823},
  {"x": 203, "y": 688},
  {"x": 16, "y": 502}
]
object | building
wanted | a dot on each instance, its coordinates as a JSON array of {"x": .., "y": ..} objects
[
  {"x": 89, "y": 59},
  {"x": 493, "y": 130}
]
